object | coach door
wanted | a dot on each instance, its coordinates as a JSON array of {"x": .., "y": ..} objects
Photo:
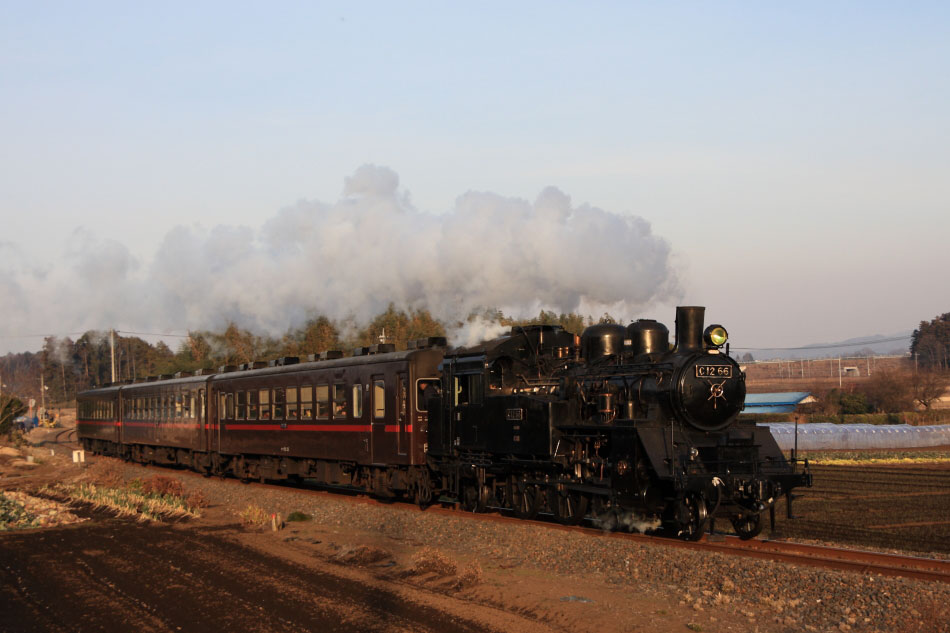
[
  {"x": 199, "y": 405},
  {"x": 382, "y": 448},
  {"x": 402, "y": 412}
]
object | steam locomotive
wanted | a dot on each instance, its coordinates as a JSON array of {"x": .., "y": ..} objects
[{"x": 614, "y": 425}]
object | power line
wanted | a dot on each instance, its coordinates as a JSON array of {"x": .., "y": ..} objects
[
  {"x": 17, "y": 336},
  {"x": 7, "y": 336},
  {"x": 154, "y": 334},
  {"x": 831, "y": 345}
]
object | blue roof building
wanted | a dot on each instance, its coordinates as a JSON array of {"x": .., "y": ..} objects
[{"x": 781, "y": 402}]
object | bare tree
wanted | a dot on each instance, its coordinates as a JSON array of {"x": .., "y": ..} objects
[
  {"x": 890, "y": 391},
  {"x": 929, "y": 386}
]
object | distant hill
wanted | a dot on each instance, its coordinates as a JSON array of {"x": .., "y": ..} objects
[{"x": 878, "y": 345}]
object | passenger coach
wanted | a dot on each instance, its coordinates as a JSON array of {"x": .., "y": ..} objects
[{"x": 359, "y": 420}]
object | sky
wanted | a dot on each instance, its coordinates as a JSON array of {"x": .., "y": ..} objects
[{"x": 172, "y": 166}]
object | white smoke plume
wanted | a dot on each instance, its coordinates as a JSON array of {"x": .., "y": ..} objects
[
  {"x": 476, "y": 330},
  {"x": 627, "y": 521},
  {"x": 350, "y": 260}
]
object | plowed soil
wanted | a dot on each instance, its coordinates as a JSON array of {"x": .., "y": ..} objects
[
  {"x": 363, "y": 567},
  {"x": 113, "y": 575}
]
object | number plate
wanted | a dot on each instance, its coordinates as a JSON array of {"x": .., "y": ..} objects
[
  {"x": 514, "y": 414},
  {"x": 714, "y": 371}
]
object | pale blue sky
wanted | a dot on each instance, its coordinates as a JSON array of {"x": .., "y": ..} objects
[{"x": 795, "y": 156}]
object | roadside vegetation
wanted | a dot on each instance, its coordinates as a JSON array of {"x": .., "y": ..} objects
[
  {"x": 884, "y": 458},
  {"x": 158, "y": 498},
  {"x": 14, "y": 515}
]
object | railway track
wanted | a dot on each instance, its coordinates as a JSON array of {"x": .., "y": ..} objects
[{"x": 850, "y": 560}]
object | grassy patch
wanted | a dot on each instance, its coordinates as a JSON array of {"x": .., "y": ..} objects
[
  {"x": 14, "y": 516},
  {"x": 130, "y": 501},
  {"x": 881, "y": 460},
  {"x": 254, "y": 515},
  {"x": 854, "y": 458},
  {"x": 298, "y": 516}
]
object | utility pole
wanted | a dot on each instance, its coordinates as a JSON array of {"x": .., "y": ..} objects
[
  {"x": 42, "y": 392},
  {"x": 112, "y": 351},
  {"x": 839, "y": 372}
]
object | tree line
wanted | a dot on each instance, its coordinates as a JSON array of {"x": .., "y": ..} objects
[
  {"x": 930, "y": 343},
  {"x": 64, "y": 367}
]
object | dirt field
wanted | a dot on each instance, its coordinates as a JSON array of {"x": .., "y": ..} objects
[
  {"x": 214, "y": 574},
  {"x": 357, "y": 567},
  {"x": 882, "y": 506}
]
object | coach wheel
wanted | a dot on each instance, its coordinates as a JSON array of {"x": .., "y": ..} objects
[
  {"x": 691, "y": 517},
  {"x": 423, "y": 492},
  {"x": 523, "y": 499},
  {"x": 569, "y": 507},
  {"x": 747, "y": 526},
  {"x": 471, "y": 500},
  {"x": 216, "y": 465}
]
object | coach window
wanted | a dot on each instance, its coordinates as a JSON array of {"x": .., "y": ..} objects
[
  {"x": 265, "y": 404},
  {"x": 280, "y": 403},
  {"x": 230, "y": 406},
  {"x": 379, "y": 399},
  {"x": 339, "y": 400},
  {"x": 186, "y": 401},
  {"x": 323, "y": 402},
  {"x": 178, "y": 406},
  {"x": 292, "y": 413},
  {"x": 357, "y": 401},
  {"x": 241, "y": 405},
  {"x": 253, "y": 405},
  {"x": 306, "y": 402},
  {"x": 201, "y": 406}
]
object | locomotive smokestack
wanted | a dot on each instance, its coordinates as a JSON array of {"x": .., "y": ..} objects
[{"x": 689, "y": 328}]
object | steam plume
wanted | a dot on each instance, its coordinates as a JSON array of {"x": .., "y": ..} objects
[{"x": 350, "y": 259}]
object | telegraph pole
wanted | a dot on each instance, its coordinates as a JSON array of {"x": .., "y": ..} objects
[{"x": 112, "y": 351}]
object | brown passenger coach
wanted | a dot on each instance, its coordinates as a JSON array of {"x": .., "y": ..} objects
[{"x": 359, "y": 420}]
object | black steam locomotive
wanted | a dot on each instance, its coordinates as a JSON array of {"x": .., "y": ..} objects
[{"x": 613, "y": 425}]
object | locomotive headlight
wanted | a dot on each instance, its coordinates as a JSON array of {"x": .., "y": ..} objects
[{"x": 715, "y": 336}]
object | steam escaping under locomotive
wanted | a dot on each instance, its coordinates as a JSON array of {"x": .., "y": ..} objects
[{"x": 615, "y": 425}]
